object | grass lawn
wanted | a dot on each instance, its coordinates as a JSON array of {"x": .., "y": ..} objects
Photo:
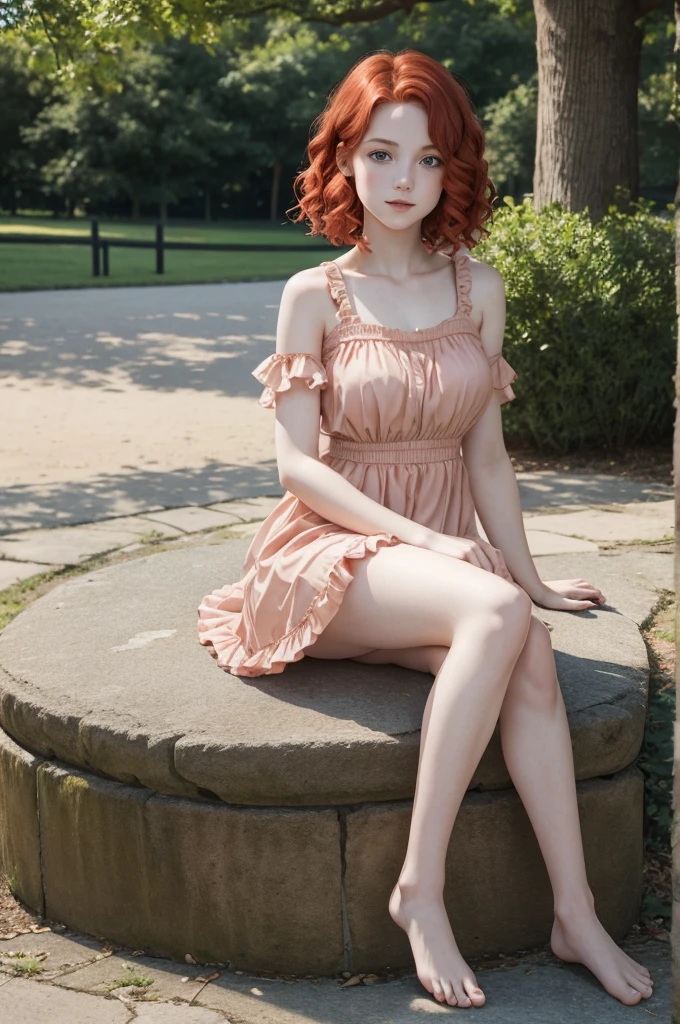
[{"x": 32, "y": 267}]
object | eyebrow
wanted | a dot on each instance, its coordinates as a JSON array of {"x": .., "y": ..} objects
[{"x": 389, "y": 142}]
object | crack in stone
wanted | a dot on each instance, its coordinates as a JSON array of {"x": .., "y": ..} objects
[{"x": 346, "y": 933}]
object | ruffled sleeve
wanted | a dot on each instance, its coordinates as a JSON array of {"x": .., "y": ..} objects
[
  {"x": 502, "y": 375},
  {"x": 278, "y": 369}
]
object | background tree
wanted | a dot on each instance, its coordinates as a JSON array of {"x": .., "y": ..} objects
[
  {"x": 588, "y": 73},
  {"x": 587, "y": 57}
]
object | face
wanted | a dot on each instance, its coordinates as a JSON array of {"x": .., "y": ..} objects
[{"x": 398, "y": 173}]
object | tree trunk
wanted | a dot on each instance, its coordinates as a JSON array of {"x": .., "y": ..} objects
[
  {"x": 588, "y": 69},
  {"x": 276, "y": 179},
  {"x": 206, "y": 204},
  {"x": 135, "y": 207}
]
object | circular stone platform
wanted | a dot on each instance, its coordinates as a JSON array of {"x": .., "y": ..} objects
[{"x": 264, "y": 821}]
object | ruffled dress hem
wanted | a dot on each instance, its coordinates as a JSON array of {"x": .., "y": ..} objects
[{"x": 217, "y": 623}]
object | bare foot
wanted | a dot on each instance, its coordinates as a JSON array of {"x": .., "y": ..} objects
[
  {"x": 581, "y": 938},
  {"x": 439, "y": 965}
]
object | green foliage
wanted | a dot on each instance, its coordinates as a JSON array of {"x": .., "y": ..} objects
[
  {"x": 590, "y": 324},
  {"x": 658, "y": 132},
  {"x": 510, "y": 127}
]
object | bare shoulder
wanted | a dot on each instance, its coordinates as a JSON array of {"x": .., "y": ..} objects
[
  {"x": 305, "y": 311},
  {"x": 487, "y": 282},
  {"x": 307, "y": 291}
]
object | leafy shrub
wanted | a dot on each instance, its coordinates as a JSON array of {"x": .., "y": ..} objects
[{"x": 591, "y": 327}]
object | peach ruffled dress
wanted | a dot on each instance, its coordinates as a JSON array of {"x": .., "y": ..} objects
[{"x": 396, "y": 405}]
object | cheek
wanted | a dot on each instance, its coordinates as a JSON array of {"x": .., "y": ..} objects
[
  {"x": 371, "y": 176},
  {"x": 434, "y": 185}
]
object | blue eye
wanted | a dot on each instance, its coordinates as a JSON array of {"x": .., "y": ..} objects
[{"x": 378, "y": 154}]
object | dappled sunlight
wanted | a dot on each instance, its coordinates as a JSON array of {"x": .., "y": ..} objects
[
  {"x": 129, "y": 491},
  {"x": 88, "y": 338}
]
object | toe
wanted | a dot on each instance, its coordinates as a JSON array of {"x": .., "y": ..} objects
[
  {"x": 632, "y": 995},
  {"x": 438, "y": 992},
  {"x": 462, "y": 997},
  {"x": 638, "y": 981},
  {"x": 474, "y": 991},
  {"x": 643, "y": 980},
  {"x": 449, "y": 992}
]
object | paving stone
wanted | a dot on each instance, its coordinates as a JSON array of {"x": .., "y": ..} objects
[
  {"x": 137, "y": 525},
  {"x": 596, "y": 525},
  {"x": 23, "y": 1001},
  {"x": 11, "y": 572},
  {"x": 63, "y": 950},
  {"x": 168, "y": 1013},
  {"x": 544, "y": 543},
  {"x": 63, "y": 545},
  {"x": 553, "y": 488},
  {"x": 528, "y": 993},
  {"x": 648, "y": 508},
  {"x": 253, "y": 508},
  {"x": 171, "y": 979},
  {"x": 191, "y": 518}
]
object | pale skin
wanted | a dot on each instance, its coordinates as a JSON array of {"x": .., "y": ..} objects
[{"x": 432, "y": 602}]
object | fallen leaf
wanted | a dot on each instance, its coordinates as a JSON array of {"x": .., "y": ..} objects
[
  {"x": 211, "y": 977},
  {"x": 355, "y": 980},
  {"x": 189, "y": 958}
]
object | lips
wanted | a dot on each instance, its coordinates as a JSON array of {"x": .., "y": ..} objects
[{"x": 398, "y": 202}]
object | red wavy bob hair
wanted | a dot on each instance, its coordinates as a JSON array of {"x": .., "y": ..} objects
[{"x": 328, "y": 200}]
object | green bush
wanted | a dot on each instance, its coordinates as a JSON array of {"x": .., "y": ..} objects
[{"x": 591, "y": 327}]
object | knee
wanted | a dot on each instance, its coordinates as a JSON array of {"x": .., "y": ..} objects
[
  {"x": 534, "y": 677},
  {"x": 510, "y": 609}
]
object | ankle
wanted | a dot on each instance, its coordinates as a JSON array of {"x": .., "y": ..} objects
[
  {"x": 420, "y": 891},
  {"x": 575, "y": 907}
]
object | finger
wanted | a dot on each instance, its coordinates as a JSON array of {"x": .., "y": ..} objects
[
  {"x": 485, "y": 561},
  {"x": 582, "y": 586},
  {"x": 580, "y": 593},
  {"x": 479, "y": 559},
  {"x": 482, "y": 561}
]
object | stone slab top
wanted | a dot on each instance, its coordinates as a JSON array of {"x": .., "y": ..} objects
[{"x": 105, "y": 672}]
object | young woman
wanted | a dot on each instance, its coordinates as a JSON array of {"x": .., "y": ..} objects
[{"x": 373, "y": 553}]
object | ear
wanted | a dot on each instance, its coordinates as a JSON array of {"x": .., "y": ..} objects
[{"x": 341, "y": 160}]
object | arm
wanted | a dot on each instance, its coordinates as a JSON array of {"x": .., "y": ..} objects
[
  {"x": 302, "y": 314},
  {"x": 492, "y": 479}
]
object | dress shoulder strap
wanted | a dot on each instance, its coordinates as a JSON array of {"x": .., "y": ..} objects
[
  {"x": 338, "y": 290},
  {"x": 461, "y": 259}
]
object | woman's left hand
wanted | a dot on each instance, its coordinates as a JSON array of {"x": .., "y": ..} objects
[{"x": 569, "y": 595}]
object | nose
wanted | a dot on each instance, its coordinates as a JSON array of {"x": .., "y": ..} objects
[{"x": 403, "y": 181}]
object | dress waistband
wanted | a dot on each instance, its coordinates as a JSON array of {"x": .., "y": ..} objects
[{"x": 438, "y": 449}]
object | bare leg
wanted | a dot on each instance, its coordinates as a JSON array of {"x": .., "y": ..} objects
[
  {"x": 486, "y": 620},
  {"x": 538, "y": 754},
  {"x": 537, "y": 750}
]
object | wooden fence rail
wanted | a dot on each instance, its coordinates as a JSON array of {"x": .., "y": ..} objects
[{"x": 100, "y": 246}]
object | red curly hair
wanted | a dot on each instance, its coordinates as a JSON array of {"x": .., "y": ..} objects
[{"x": 328, "y": 200}]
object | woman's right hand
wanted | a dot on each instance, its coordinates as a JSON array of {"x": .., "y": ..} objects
[{"x": 459, "y": 547}]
